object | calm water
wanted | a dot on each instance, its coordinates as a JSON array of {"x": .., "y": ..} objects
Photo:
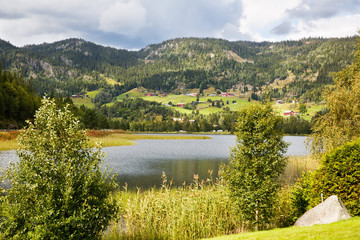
[{"x": 141, "y": 165}]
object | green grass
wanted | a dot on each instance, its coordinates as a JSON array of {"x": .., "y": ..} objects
[
  {"x": 347, "y": 229},
  {"x": 204, "y": 108},
  {"x": 92, "y": 94},
  {"x": 83, "y": 101},
  {"x": 312, "y": 109}
]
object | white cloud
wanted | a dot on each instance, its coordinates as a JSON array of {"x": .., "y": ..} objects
[
  {"x": 123, "y": 17},
  {"x": 136, "y": 23},
  {"x": 260, "y": 16},
  {"x": 339, "y": 26}
]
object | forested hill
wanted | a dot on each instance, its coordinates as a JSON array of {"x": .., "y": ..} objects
[{"x": 288, "y": 68}]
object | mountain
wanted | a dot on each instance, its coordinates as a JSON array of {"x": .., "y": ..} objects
[{"x": 282, "y": 69}]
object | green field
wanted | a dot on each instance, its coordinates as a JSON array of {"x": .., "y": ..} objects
[
  {"x": 204, "y": 107},
  {"x": 311, "y": 109},
  {"x": 83, "y": 101},
  {"x": 347, "y": 229}
]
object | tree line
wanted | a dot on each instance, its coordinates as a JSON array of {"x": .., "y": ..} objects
[{"x": 18, "y": 100}]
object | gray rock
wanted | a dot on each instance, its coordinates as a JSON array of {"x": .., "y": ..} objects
[{"x": 331, "y": 210}]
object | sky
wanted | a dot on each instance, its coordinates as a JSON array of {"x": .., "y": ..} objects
[{"x": 134, "y": 24}]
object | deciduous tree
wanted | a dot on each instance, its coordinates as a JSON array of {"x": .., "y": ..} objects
[
  {"x": 256, "y": 164},
  {"x": 57, "y": 188}
]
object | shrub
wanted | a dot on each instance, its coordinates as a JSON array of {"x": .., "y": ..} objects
[
  {"x": 339, "y": 174},
  {"x": 58, "y": 190}
]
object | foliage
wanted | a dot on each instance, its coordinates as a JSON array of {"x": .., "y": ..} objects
[
  {"x": 341, "y": 124},
  {"x": 295, "y": 125},
  {"x": 339, "y": 174},
  {"x": 73, "y": 66},
  {"x": 17, "y": 100},
  {"x": 299, "y": 195},
  {"x": 256, "y": 164},
  {"x": 57, "y": 188}
]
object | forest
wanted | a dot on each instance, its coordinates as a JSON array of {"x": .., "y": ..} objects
[{"x": 286, "y": 70}]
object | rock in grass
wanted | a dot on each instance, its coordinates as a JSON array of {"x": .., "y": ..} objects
[{"x": 331, "y": 210}]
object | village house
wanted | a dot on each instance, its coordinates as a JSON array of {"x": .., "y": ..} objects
[
  {"x": 226, "y": 94},
  {"x": 180, "y": 104},
  {"x": 280, "y": 101},
  {"x": 151, "y": 94},
  {"x": 289, "y": 113}
]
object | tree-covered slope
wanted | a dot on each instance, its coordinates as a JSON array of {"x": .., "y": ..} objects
[{"x": 283, "y": 69}]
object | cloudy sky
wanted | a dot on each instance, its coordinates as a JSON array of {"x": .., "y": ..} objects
[{"x": 133, "y": 24}]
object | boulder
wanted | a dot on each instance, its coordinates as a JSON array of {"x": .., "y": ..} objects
[{"x": 331, "y": 210}]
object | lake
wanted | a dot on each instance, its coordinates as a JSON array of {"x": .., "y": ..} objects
[{"x": 141, "y": 165}]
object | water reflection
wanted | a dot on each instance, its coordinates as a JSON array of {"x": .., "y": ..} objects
[{"x": 141, "y": 165}]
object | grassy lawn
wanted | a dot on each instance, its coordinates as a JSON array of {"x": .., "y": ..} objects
[{"x": 347, "y": 229}]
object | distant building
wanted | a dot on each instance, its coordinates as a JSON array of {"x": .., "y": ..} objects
[
  {"x": 151, "y": 94},
  {"x": 280, "y": 101},
  {"x": 288, "y": 113},
  {"x": 177, "y": 119},
  {"x": 180, "y": 104},
  {"x": 226, "y": 94}
]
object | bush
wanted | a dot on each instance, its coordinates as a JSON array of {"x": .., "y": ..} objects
[
  {"x": 58, "y": 190},
  {"x": 339, "y": 174}
]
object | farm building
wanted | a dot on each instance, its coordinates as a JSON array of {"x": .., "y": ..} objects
[{"x": 289, "y": 113}]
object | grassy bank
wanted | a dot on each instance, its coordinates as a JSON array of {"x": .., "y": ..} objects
[
  {"x": 108, "y": 138},
  {"x": 120, "y": 139},
  {"x": 347, "y": 229}
]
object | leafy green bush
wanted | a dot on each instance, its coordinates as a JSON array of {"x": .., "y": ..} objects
[
  {"x": 339, "y": 174},
  {"x": 57, "y": 188}
]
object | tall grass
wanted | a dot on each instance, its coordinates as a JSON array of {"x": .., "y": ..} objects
[
  {"x": 8, "y": 140},
  {"x": 202, "y": 209},
  {"x": 296, "y": 166}
]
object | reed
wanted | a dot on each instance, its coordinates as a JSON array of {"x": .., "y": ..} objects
[
  {"x": 8, "y": 140},
  {"x": 201, "y": 209},
  {"x": 296, "y": 166}
]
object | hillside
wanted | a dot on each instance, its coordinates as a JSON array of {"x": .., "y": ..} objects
[{"x": 282, "y": 69}]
